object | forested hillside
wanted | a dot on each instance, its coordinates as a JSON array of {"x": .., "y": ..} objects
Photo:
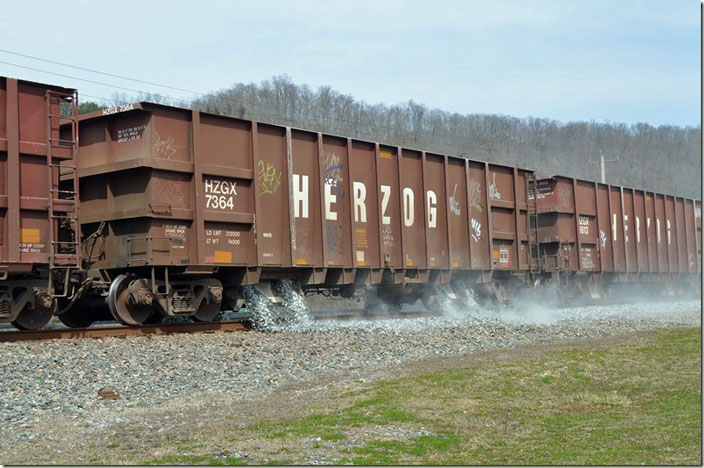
[{"x": 665, "y": 158}]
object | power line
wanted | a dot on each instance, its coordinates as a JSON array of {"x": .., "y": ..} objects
[
  {"x": 98, "y": 97},
  {"x": 184, "y": 101},
  {"x": 191, "y": 103},
  {"x": 93, "y": 81},
  {"x": 100, "y": 72}
]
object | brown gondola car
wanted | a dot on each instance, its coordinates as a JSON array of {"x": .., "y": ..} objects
[
  {"x": 183, "y": 212},
  {"x": 593, "y": 235},
  {"x": 180, "y": 208},
  {"x": 38, "y": 228}
]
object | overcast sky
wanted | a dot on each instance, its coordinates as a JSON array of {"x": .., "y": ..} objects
[{"x": 618, "y": 60}]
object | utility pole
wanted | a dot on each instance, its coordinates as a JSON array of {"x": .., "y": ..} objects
[{"x": 603, "y": 162}]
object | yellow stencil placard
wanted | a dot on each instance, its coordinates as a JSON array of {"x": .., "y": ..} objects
[
  {"x": 301, "y": 261},
  {"x": 409, "y": 262},
  {"x": 386, "y": 154},
  {"x": 29, "y": 236},
  {"x": 223, "y": 257},
  {"x": 496, "y": 254}
]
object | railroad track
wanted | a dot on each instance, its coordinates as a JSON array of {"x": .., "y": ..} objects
[
  {"x": 241, "y": 323},
  {"x": 362, "y": 314},
  {"x": 122, "y": 331},
  {"x": 237, "y": 322}
]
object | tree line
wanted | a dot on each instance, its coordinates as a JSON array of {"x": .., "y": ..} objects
[{"x": 665, "y": 158}]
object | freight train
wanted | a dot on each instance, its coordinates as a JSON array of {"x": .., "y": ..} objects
[{"x": 151, "y": 211}]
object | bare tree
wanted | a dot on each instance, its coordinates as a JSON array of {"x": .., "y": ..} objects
[{"x": 665, "y": 158}]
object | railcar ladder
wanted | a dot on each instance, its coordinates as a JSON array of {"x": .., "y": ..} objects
[
  {"x": 532, "y": 226},
  {"x": 61, "y": 156}
]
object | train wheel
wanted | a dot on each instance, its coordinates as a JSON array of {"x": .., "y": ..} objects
[
  {"x": 33, "y": 318},
  {"x": 502, "y": 294},
  {"x": 124, "y": 306},
  {"x": 430, "y": 300},
  {"x": 374, "y": 304},
  {"x": 154, "y": 318},
  {"x": 77, "y": 318},
  {"x": 206, "y": 312}
]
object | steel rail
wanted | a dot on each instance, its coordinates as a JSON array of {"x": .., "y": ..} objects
[
  {"x": 121, "y": 331},
  {"x": 361, "y": 314}
]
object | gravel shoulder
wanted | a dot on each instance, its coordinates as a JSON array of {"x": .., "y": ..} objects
[{"x": 171, "y": 387}]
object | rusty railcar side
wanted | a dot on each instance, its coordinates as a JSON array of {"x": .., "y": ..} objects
[
  {"x": 569, "y": 228},
  {"x": 599, "y": 233},
  {"x": 38, "y": 215},
  {"x": 175, "y": 192}
]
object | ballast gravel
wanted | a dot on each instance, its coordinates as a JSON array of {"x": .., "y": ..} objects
[{"x": 64, "y": 378}]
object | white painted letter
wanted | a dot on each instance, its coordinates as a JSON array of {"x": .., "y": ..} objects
[
  {"x": 615, "y": 231},
  {"x": 360, "y": 194},
  {"x": 432, "y": 209},
  {"x": 408, "y": 207},
  {"x": 329, "y": 200},
  {"x": 668, "y": 232},
  {"x": 637, "y": 230},
  {"x": 657, "y": 228},
  {"x": 300, "y": 195},
  {"x": 385, "y": 195}
]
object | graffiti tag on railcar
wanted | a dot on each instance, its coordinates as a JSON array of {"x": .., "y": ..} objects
[
  {"x": 475, "y": 195},
  {"x": 493, "y": 190},
  {"x": 332, "y": 175},
  {"x": 454, "y": 204},
  {"x": 169, "y": 192},
  {"x": 387, "y": 235},
  {"x": 476, "y": 230},
  {"x": 334, "y": 242},
  {"x": 165, "y": 147},
  {"x": 269, "y": 178}
]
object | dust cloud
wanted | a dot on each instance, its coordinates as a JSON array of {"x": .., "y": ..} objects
[{"x": 541, "y": 307}]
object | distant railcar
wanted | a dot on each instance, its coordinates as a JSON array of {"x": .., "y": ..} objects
[{"x": 593, "y": 235}]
